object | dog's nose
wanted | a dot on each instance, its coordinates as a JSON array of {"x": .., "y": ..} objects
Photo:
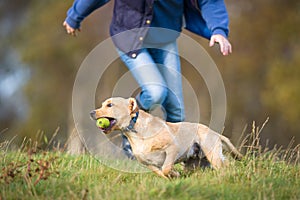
[{"x": 92, "y": 114}]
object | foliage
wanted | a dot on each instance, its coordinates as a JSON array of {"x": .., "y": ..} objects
[
  {"x": 283, "y": 86},
  {"x": 54, "y": 58},
  {"x": 261, "y": 76}
]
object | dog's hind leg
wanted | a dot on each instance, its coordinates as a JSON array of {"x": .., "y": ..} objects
[{"x": 215, "y": 156}]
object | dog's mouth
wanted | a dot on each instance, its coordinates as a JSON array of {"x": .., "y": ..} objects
[{"x": 107, "y": 129}]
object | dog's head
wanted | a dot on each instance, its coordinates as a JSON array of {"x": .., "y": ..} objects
[{"x": 118, "y": 111}]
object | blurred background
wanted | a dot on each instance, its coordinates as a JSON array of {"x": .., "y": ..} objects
[{"x": 39, "y": 61}]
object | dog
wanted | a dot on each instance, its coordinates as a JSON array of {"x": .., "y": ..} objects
[{"x": 158, "y": 144}]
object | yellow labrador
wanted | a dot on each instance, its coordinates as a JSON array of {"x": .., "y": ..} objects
[{"x": 159, "y": 144}]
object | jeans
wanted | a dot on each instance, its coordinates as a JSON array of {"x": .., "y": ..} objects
[{"x": 158, "y": 73}]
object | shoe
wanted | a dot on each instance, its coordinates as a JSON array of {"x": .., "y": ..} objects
[{"x": 196, "y": 158}]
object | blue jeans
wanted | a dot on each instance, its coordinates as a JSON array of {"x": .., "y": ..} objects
[{"x": 157, "y": 71}]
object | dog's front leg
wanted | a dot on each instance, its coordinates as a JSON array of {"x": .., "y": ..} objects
[
  {"x": 167, "y": 167},
  {"x": 157, "y": 171}
]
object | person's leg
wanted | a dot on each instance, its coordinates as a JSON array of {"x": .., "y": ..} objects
[
  {"x": 148, "y": 76},
  {"x": 127, "y": 148},
  {"x": 168, "y": 63},
  {"x": 154, "y": 89}
]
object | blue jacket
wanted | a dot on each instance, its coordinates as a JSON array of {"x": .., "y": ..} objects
[
  {"x": 206, "y": 18},
  {"x": 132, "y": 19}
]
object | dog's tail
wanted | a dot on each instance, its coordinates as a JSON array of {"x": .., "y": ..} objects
[{"x": 233, "y": 151}]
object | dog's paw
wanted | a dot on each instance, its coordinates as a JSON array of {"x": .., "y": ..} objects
[{"x": 174, "y": 174}]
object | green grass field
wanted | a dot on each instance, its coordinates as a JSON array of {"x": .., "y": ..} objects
[{"x": 32, "y": 174}]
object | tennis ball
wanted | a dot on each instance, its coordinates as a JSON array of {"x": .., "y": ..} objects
[{"x": 103, "y": 122}]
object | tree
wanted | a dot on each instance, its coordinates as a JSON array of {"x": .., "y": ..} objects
[
  {"x": 54, "y": 58},
  {"x": 265, "y": 37}
]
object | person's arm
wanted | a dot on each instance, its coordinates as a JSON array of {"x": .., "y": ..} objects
[
  {"x": 216, "y": 17},
  {"x": 78, "y": 12}
]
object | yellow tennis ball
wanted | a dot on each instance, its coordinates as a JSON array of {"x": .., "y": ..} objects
[{"x": 103, "y": 122}]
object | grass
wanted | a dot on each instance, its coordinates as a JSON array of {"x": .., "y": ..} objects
[{"x": 29, "y": 173}]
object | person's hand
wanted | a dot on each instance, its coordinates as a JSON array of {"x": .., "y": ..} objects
[
  {"x": 225, "y": 46},
  {"x": 70, "y": 30}
]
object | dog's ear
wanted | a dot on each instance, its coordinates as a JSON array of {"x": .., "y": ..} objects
[{"x": 133, "y": 107}]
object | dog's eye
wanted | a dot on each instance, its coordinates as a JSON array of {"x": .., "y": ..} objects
[{"x": 109, "y": 105}]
